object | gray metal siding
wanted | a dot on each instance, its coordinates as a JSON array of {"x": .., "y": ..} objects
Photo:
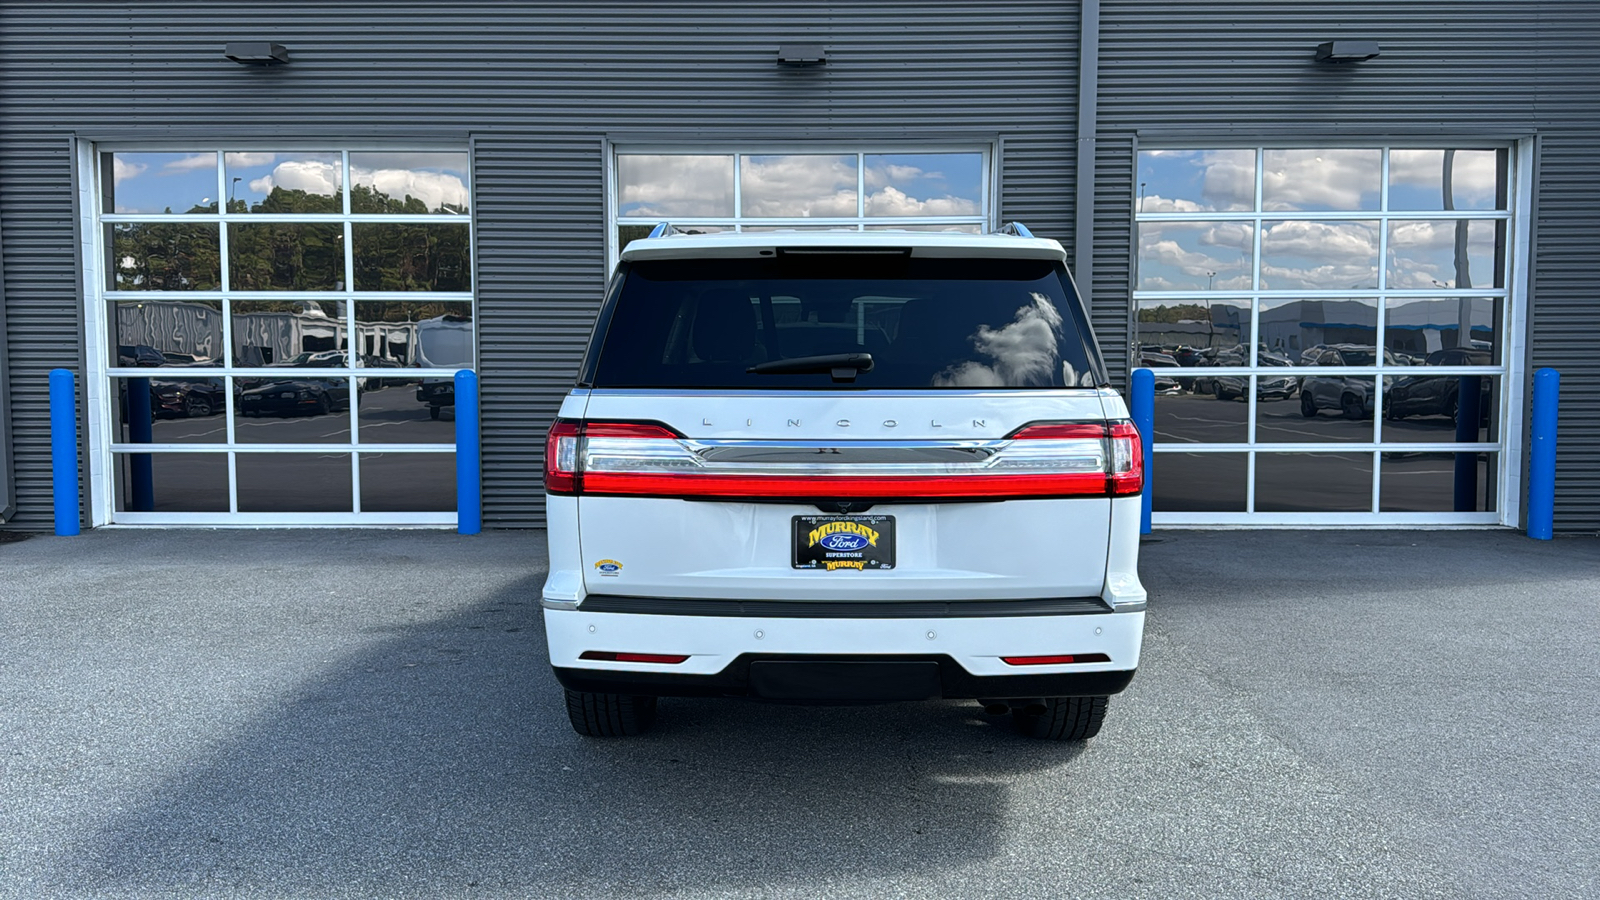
[
  {"x": 7, "y": 493},
  {"x": 541, "y": 271},
  {"x": 536, "y": 87},
  {"x": 1189, "y": 71},
  {"x": 42, "y": 313}
]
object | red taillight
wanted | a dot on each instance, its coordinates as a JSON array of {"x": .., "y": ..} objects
[
  {"x": 561, "y": 457},
  {"x": 845, "y": 487},
  {"x": 1052, "y": 459},
  {"x": 1126, "y": 471},
  {"x": 1058, "y": 660},
  {"x": 1061, "y": 431},
  {"x": 628, "y": 430},
  {"x": 669, "y": 659}
]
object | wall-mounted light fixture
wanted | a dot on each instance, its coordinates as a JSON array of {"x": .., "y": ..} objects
[
  {"x": 256, "y": 53},
  {"x": 1346, "y": 51},
  {"x": 802, "y": 55}
]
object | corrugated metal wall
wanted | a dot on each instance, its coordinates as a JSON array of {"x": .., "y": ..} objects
[
  {"x": 7, "y": 496},
  {"x": 1188, "y": 70},
  {"x": 536, "y": 87}
]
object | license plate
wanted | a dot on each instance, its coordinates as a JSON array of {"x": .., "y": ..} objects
[
  {"x": 843, "y": 543},
  {"x": 286, "y": 394}
]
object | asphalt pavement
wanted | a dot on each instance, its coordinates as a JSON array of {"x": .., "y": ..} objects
[{"x": 321, "y": 713}]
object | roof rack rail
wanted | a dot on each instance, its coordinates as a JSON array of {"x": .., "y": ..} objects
[
  {"x": 1014, "y": 228},
  {"x": 663, "y": 229}
]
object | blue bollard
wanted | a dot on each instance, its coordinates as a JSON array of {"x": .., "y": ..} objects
[
  {"x": 64, "y": 449},
  {"x": 469, "y": 483},
  {"x": 141, "y": 473},
  {"x": 1142, "y": 407},
  {"x": 1542, "y": 455}
]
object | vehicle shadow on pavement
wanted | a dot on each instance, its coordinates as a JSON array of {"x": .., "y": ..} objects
[{"x": 438, "y": 760}]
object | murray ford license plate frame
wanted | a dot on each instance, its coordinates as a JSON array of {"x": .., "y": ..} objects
[{"x": 842, "y": 543}]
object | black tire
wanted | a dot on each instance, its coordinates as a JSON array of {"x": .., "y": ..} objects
[
  {"x": 1308, "y": 405},
  {"x": 610, "y": 715},
  {"x": 1350, "y": 404},
  {"x": 1064, "y": 719},
  {"x": 433, "y": 412}
]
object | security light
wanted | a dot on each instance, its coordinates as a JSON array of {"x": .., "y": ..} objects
[
  {"x": 256, "y": 53},
  {"x": 801, "y": 55},
  {"x": 1346, "y": 51}
]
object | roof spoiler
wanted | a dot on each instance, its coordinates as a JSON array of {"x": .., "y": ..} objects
[{"x": 1015, "y": 229}]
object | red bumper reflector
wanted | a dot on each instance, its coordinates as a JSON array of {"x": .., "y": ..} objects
[
  {"x": 608, "y": 656},
  {"x": 1058, "y": 660}
]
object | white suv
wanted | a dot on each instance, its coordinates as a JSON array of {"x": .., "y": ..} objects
[{"x": 844, "y": 468}]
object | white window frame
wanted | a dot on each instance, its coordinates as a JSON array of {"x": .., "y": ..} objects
[
  {"x": 986, "y": 219},
  {"x": 100, "y": 401},
  {"x": 1510, "y": 369}
]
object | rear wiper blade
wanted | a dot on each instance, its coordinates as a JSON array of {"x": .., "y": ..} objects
[{"x": 842, "y": 366}]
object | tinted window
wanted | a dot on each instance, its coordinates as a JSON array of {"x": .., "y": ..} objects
[{"x": 927, "y": 323}]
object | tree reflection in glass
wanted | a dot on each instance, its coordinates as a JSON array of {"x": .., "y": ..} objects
[{"x": 163, "y": 256}]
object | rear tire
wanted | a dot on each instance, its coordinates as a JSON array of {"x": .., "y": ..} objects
[
  {"x": 610, "y": 715},
  {"x": 433, "y": 412},
  {"x": 1064, "y": 719},
  {"x": 1308, "y": 406},
  {"x": 1350, "y": 405}
]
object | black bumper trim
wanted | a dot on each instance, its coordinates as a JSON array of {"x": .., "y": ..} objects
[
  {"x": 844, "y": 609},
  {"x": 825, "y": 679}
]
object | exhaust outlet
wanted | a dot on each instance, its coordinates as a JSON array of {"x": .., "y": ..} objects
[
  {"x": 996, "y": 708},
  {"x": 1034, "y": 708}
]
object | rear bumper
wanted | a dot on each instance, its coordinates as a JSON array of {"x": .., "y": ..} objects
[
  {"x": 821, "y": 679},
  {"x": 923, "y": 653}
]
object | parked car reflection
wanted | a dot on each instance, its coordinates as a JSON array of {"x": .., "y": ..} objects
[
  {"x": 1350, "y": 394},
  {"x": 140, "y": 356},
  {"x": 298, "y": 396},
  {"x": 1269, "y": 385},
  {"x": 190, "y": 398},
  {"x": 1439, "y": 395},
  {"x": 316, "y": 392},
  {"x": 443, "y": 342}
]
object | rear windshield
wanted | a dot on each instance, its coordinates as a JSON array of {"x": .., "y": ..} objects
[{"x": 925, "y": 323}]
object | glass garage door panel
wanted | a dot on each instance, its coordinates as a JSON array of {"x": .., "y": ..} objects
[
  {"x": 294, "y": 482},
  {"x": 1327, "y": 329},
  {"x": 277, "y": 321},
  {"x": 1202, "y": 482},
  {"x": 171, "y": 482},
  {"x": 709, "y": 190}
]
